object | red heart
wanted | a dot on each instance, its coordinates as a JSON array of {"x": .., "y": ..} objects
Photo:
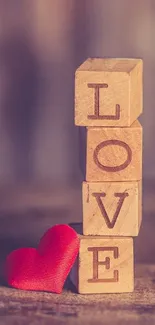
[{"x": 45, "y": 268}]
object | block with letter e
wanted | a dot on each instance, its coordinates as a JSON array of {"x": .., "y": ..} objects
[
  {"x": 108, "y": 92},
  {"x": 104, "y": 265}
]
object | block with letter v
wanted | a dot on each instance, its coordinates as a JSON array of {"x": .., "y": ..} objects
[{"x": 112, "y": 208}]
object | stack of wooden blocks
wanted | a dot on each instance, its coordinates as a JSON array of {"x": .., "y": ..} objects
[{"x": 108, "y": 101}]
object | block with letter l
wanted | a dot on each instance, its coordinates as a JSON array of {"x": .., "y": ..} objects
[
  {"x": 104, "y": 265},
  {"x": 108, "y": 92}
]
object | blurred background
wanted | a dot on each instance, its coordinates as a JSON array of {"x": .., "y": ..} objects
[{"x": 41, "y": 44}]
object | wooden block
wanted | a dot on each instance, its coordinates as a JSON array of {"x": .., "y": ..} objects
[
  {"x": 112, "y": 208},
  {"x": 104, "y": 265},
  {"x": 114, "y": 154},
  {"x": 108, "y": 92}
]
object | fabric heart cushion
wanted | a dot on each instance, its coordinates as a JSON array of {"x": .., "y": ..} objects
[{"x": 45, "y": 268}]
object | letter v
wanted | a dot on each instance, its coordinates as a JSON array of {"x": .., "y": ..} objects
[{"x": 121, "y": 196}]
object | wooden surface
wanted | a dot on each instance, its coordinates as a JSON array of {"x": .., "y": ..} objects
[
  {"x": 104, "y": 265},
  {"x": 23, "y": 308},
  {"x": 112, "y": 208},
  {"x": 114, "y": 154},
  {"x": 108, "y": 92}
]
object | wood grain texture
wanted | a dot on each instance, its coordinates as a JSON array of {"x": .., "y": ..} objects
[
  {"x": 37, "y": 308},
  {"x": 112, "y": 209},
  {"x": 114, "y": 154},
  {"x": 104, "y": 265},
  {"x": 108, "y": 92}
]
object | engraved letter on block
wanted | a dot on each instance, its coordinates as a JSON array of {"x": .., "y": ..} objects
[
  {"x": 112, "y": 208},
  {"x": 104, "y": 265},
  {"x": 96, "y": 263},
  {"x": 114, "y": 154},
  {"x": 108, "y": 92}
]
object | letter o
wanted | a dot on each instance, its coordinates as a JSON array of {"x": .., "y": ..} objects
[{"x": 116, "y": 143}]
